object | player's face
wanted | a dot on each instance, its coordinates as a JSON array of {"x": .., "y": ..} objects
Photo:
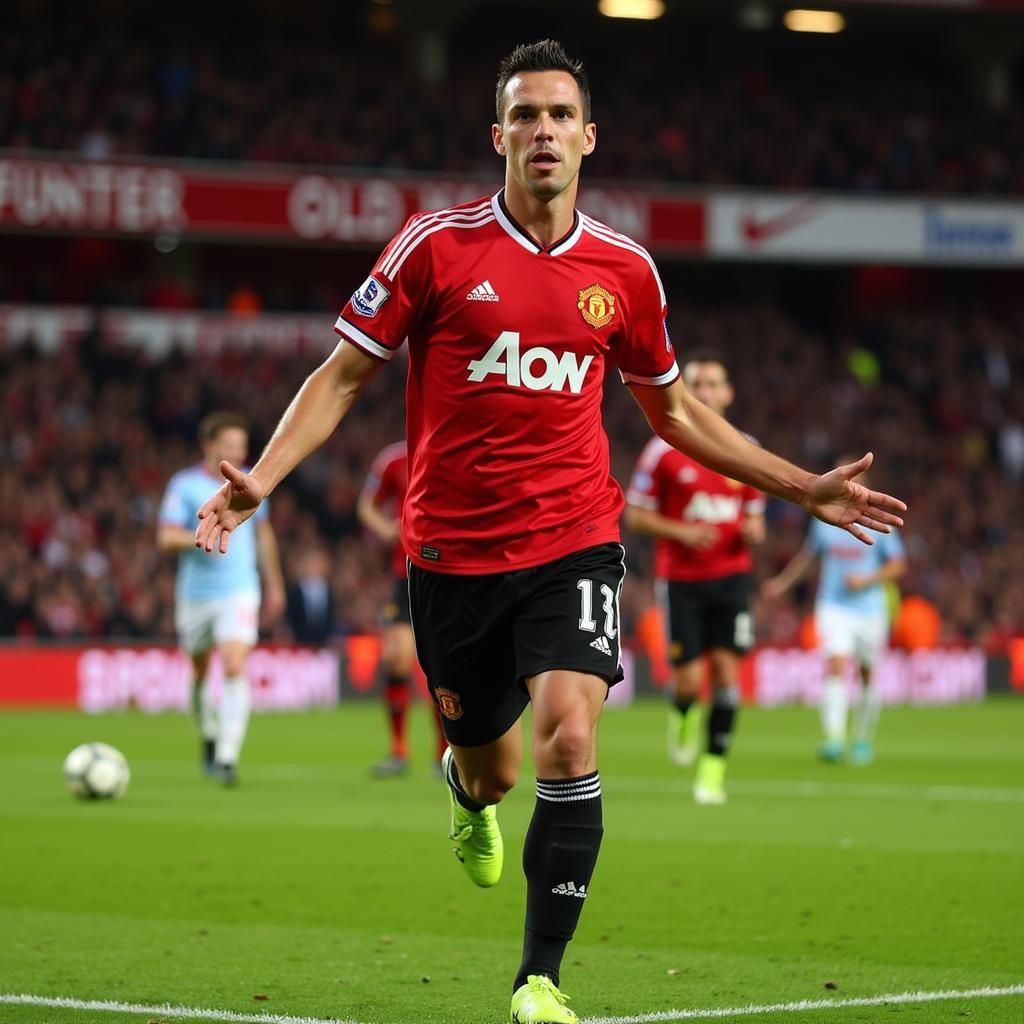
[
  {"x": 708, "y": 383},
  {"x": 231, "y": 443},
  {"x": 543, "y": 136}
]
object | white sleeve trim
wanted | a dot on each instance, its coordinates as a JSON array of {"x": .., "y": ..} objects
[
  {"x": 364, "y": 341},
  {"x": 660, "y": 381},
  {"x": 754, "y": 507}
]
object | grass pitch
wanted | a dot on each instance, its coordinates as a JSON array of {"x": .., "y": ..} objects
[{"x": 312, "y": 891}]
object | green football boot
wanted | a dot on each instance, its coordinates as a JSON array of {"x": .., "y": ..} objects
[
  {"x": 477, "y": 836},
  {"x": 683, "y": 740},
  {"x": 709, "y": 786},
  {"x": 540, "y": 1002}
]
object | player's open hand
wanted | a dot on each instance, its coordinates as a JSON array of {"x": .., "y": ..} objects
[
  {"x": 227, "y": 509},
  {"x": 836, "y": 498}
]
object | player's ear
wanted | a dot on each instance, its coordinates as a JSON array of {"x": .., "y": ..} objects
[
  {"x": 497, "y": 137},
  {"x": 589, "y": 138}
]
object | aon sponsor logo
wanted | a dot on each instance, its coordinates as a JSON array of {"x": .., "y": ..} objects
[
  {"x": 538, "y": 369},
  {"x": 712, "y": 508}
]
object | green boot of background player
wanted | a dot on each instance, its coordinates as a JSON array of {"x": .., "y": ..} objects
[
  {"x": 477, "y": 837},
  {"x": 709, "y": 787},
  {"x": 683, "y": 740},
  {"x": 540, "y": 1002}
]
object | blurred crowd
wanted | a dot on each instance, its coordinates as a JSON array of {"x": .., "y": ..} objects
[
  {"x": 724, "y": 116},
  {"x": 90, "y": 434}
]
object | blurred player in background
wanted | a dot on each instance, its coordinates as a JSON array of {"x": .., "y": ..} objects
[
  {"x": 703, "y": 524},
  {"x": 380, "y": 511},
  {"x": 218, "y": 598},
  {"x": 851, "y": 619},
  {"x": 511, "y": 304}
]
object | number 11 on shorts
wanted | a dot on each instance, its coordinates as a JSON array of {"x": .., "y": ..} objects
[{"x": 587, "y": 622}]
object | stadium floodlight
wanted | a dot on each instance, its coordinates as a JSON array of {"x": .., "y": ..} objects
[
  {"x": 641, "y": 10},
  {"x": 827, "y": 22}
]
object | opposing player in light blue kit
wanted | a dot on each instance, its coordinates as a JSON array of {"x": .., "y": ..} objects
[
  {"x": 218, "y": 597},
  {"x": 852, "y": 621}
]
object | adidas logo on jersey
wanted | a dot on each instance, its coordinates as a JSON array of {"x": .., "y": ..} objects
[
  {"x": 484, "y": 293},
  {"x": 601, "y": 644},
  {"x": 569, "y": 889}
]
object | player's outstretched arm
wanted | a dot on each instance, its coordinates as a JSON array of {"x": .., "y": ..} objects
[
  {"x": 690, "y": 426},
  {"x": 314, "y": 413}
]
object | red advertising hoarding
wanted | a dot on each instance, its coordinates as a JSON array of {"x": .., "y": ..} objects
[
  {"x": 153, "y": 679},
  {"x": 290, "y": 206}
]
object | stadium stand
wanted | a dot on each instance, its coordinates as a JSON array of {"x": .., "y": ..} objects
[{"x": 761, "y": 112}]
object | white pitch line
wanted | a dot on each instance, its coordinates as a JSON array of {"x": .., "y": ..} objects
[
  {"x": 810, "y": 1004},
  {"x": 715, "y": 1013},
  {"x": 164, "y": 1010}
]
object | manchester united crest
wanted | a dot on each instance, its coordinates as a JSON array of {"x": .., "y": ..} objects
[
  {"x": 449, "y": 703},
  {"x": 597, "y": 305}
]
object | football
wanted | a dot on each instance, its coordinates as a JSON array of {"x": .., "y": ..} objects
[{"x": 95, "y": 771}]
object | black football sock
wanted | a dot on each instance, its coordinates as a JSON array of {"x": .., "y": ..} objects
[
  {"x": 558, "y": 858},
  {"x": 722, "y": 719},
  {"x": 460, "y": 793}
]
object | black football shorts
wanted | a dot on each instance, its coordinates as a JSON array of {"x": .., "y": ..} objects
[
  {"x": 707, "y": 614},
  {"x": 479, "y": 638}
]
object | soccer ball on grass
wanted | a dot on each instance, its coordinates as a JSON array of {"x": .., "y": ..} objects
[{"x": 96, "y": 771}]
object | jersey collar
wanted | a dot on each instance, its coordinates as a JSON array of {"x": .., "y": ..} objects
[{"x": 525, "y": 239}]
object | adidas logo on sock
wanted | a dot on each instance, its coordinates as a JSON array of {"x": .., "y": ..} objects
[
  {"x": 484, "y": 293},
  {"x": 601, "y": 644},
  {"x": 569, "y": 889}
]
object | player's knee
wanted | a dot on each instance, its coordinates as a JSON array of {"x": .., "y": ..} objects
[
  {"x": 490, "y": 788},
  {"x": 568, "y": 750}
]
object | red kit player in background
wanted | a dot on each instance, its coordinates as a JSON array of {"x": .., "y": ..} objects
[
  {"x": 511, "y": 306},
  {"x": 704, "y": 524},
  {"x": 380, "y": 511}
]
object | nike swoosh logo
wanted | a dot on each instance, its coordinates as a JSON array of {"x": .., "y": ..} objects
[{"x": 756, "y": 230}]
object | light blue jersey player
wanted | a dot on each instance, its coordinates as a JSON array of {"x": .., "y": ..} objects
[
  {"x": 852, "y": 621},
  {"x": 217, "y": 601}
]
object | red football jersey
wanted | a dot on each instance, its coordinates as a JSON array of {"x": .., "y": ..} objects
[
  {"x": 507, "y": 348},
  {"x": 385, "y": 486},
  {"x": 672, "y": 484}
]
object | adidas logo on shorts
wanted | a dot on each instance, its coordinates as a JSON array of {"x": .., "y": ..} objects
[{"x": 601, "y": 644}]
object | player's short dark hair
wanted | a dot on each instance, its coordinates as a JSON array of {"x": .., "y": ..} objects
[
  {"x": 707, "y": 355},
  {"x": 214, "y": 422},
  {"x": 543, "y": 55}
]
